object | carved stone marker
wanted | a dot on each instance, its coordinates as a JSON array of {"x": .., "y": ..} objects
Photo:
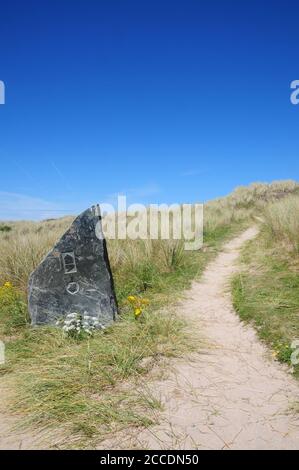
[{"x": 75, "y": 276}]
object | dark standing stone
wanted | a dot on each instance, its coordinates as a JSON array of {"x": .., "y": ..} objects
[{"x": 75, "y": 276}]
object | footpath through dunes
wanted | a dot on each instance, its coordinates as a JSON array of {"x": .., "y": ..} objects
[{"x": 229, "y": 395}]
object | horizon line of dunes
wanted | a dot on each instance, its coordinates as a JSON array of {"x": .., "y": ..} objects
[{"x": 23, "y": 244}]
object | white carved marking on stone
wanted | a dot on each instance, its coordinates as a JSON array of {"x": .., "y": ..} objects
[
  {"x": 73, "y": 288},
  {"x": 69, "y": 262}
]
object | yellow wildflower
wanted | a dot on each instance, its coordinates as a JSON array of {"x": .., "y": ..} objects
[
  {"x": 137, "y": 312},
  {"x": 8, "y": 284},
  {"x": 137, "y": 304}
]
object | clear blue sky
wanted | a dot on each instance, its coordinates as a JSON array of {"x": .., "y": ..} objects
[{"x": 167, "y": 101}]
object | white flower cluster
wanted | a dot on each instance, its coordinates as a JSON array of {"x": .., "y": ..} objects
[{"x": 75, "y": 323}]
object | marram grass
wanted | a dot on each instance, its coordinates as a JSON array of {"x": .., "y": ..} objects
[
  {"x": 266, "y": 292},
  {"x": 58, "y": 380},
  {"x": 97, "y": 386}
]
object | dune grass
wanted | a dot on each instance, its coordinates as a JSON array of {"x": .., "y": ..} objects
[
  {"x": 24, "y": 244},
  {"x": 266, "y": 293},
  {"x": 79, "y": 384},
  {"x": 93, "y": 387}
]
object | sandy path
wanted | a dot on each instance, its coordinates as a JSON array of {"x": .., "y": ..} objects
[{"x": 230, "y": 395}]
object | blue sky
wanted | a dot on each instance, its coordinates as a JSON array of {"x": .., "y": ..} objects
[{"x": 170, "y": 102}]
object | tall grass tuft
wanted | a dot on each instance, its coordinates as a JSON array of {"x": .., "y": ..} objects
[
  {"x": 281, "y": 221},
  {"x": 78, "y": 383}
]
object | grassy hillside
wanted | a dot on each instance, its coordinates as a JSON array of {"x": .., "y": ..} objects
[
  {"x": 82, "y": 383},
  {"x": 24, "y": 244},
  {"x": 267, "y": 291}
]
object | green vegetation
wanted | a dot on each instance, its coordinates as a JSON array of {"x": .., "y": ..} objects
[
  {"x": 13, "y": 310},
  {"x": 59, "y": 380},
  {"x": 92, "y": 386},
  {"x": 266, "y": 293},
  {"x": 5, "y": 228}
]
